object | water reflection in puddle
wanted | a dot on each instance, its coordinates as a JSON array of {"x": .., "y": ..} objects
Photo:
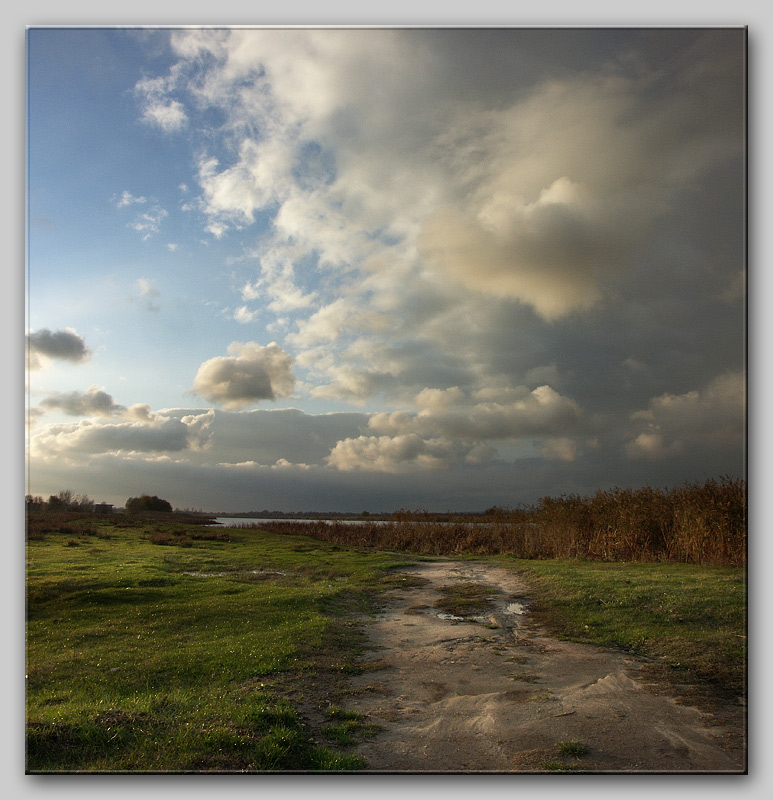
[{"x": 515, "y": 608}]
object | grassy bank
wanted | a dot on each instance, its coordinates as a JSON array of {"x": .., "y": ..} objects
[
  {"x": 160, "y": 647},
  {"x": 691, "y": 620}
]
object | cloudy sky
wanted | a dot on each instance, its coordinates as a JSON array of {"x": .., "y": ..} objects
[{"x": 355, "y": 269}]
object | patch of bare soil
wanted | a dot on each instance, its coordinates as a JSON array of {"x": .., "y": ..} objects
[{"x": 485, "y": 690}]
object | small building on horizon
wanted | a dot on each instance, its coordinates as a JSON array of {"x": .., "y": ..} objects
[{"x": 103, "y": 508}]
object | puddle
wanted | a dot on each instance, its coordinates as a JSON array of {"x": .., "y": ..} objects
[
  {"x": 515, "y": 608},
  {"x": 443, "y": 615},
  {"x": 235, "y": 572},
  {"x": 206, "y": 574}
]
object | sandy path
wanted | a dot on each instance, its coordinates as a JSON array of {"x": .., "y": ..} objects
[{"x": 499, "y": 695}]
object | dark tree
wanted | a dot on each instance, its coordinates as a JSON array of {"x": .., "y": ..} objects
[{"x": 136, "y": 505}]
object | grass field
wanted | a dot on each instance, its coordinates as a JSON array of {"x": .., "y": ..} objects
[
  {"x": 690, "y": 619},
  {"x": 161, "y": 645},
  {"x": 188, "y": 656}
]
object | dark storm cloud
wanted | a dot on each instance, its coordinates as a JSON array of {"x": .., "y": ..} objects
[
  {"x": 65, "y": 345},
  {"x": 250, "y": 374},
  {"x": 83, "y": 404}
]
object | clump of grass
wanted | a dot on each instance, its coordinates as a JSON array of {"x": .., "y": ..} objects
[
  {"x": 524, "y": 677},
  {"x": 348, "y": 727},
  {"x": 554, "y": 765},
  {"x": 171, "y": 538},
  {"x": 572, "y": 748}
]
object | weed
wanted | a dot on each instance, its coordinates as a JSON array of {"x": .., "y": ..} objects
[
  {"x": 553, "y": 765},
  {"x": 572, "y": 748},
  {"x": 348, "y": 727}
]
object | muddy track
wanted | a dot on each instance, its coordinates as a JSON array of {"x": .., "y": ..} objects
[{"x": 497, "y": 694}]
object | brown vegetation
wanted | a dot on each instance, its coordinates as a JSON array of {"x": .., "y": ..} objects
[{"x": 697, "y": 524}]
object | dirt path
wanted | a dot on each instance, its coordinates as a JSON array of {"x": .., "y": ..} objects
[{"x": 498, "y": 694}]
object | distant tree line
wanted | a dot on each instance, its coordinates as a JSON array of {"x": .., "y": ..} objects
[
  {"x": 64, "y": 501},
  {"x": 81, "y": 503}
]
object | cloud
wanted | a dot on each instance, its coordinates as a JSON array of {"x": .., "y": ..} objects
[
  {"x": 128, "y": 199},
  {"x": 149, "y": 223},
  {"x": 156, "y": 433},
  {"x": 453, "y": 428},
  {"x": 518, "y": 242},
  {"x": 394, "y": 453},
  {"x": 549, "y": 254},
  {"x": 263, "y": 436},
  {"x": 712, "y": 417},
  {"x": 93, "y": 401},
  {"x": 250, "y": 374},
  {"x": 245, "y": 316},
  {"x": 148, "y": 294},
  {"x": 157, "y": 109},
  {"x": 65, "y": 345},
  {"x": 168, "y": 116},
  {"x": 461, "y": 203},
  {"x": 487, "y": 414}
]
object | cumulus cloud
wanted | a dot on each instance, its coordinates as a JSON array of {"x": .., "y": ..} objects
[
  {"x": 65, "y": 345},
  {"x": 94, "y": 401},
  {"x": 155, "y": 433},
  {"x": 453, "y": 427},
  {"x": 549, "y": 254},
  {"x": 460, "y": 196},
  {"x": 487, "y": 414},
  {"x": 394, "y": 453},
  {"x": 490, "y": 247},
  {"x": 713, "y": 416},
  {"x": 250, "y": 373}
]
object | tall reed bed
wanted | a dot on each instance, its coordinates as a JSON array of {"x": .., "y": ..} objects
[{"x": 695, "y": 523}]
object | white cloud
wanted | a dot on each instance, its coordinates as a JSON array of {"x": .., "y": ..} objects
[
  {"x": 168, "y": 116},
  {"x": 483, "y": 247},
  {"x": 251, "y": 373},
  {"x": 394, "y": 453},
  {"x": 245, "y": 316},
  {"x": 128, "y": 199},
  {"x": 158, "y": 433},
  {"x": 542, "y": 193},
  {"x": 158, "y": 109},
  {"x": 149, "y": 223},
  {"x": 497, "y": 414}
]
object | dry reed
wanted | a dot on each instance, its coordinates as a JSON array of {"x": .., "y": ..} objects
[{"x": 695, "y": 523}]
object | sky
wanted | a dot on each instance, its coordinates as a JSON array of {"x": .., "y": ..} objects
[{"x": 377, "y": 268}]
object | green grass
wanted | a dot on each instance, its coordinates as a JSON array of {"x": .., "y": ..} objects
[
  {"x": 158, "y": 657},
  {"x": 168, "y": 647},
  {"x": 691, "y": 619},
  {"x": 347, "y": 728},
  {"x": 572, "y": 748}
]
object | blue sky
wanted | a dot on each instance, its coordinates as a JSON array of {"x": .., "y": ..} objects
[{"x": 371, "y": 269}]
